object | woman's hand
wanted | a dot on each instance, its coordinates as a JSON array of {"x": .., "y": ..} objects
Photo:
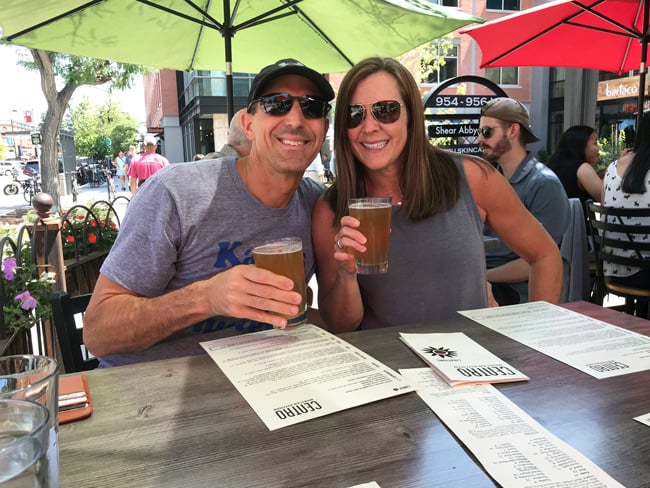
[
  {"x": 624, "y": 152},
  {"x": 346, "y": 241}
]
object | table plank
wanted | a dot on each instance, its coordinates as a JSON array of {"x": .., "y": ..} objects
[{"x": 180, "y": 422}]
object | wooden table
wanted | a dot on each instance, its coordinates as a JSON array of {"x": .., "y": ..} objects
[{"x": 181, "y": 423}]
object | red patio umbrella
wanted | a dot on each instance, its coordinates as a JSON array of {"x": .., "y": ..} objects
[{"x": 607, "y": 35}]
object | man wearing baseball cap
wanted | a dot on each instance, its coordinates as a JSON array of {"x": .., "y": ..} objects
[
  {"x": 145, "y": 165},
  {"x": 182, "y": 266},
  {"x": 502, "y": 136}
]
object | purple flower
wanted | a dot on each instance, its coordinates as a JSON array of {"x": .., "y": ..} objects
[
  {"x": 27, "y": 301},
  {"x": 8, "y": 266}
]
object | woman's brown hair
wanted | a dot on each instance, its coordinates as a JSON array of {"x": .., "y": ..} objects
[{"x": 430, "y": 180}]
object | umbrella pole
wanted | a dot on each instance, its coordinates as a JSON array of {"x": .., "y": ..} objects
[
  {"x": 643, "y": 68},
  {"x": 229, "y": 91},
  {"x": 227, "y": 36}
]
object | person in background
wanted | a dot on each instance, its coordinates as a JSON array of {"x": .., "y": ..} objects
[
  {"x": 327, "y": 169},
  {"x": 441, "y": 201},
  {"x": 181, "y": 266},
  {"x": 238, "y": 144},
  {"x": 120, "y": 168},
  {"x": 315, "y": 170},
  {"x": 503, "y": 135},
  {"x": 627, "y": 181},
  {"x": 130, "y": 155},
  {"x": 147, "y": 164},
  {"x": 574, "y": 161}
]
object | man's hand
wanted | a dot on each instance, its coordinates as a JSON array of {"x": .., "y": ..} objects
[
  {"x": 253, "y": 293},
  {"x": 490, "y": 297}
]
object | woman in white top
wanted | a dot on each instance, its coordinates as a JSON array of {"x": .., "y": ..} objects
[{"x": 627, "y": 185}]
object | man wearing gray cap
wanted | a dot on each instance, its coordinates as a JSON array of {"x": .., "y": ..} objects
[
  {"x": 181, "y": 266},
  {"x": 502, "y": 136}
]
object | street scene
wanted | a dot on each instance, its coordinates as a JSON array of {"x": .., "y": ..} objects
[{"x": 14, "y": 207}]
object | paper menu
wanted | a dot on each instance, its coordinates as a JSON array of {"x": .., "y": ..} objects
[
  {"x": 289, "y": 377},
  {"x": 590, "y": 345},
  {"x": 513, "y": 448},
  {"x": 460, "y": 360}
]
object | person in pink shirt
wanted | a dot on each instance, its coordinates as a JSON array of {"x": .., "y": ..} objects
[{"x": 145, "y": 165}]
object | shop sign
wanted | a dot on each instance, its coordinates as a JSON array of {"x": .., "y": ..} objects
[
  {"x": 627, "y": 87},
  {"x": 452, "y": 119}
]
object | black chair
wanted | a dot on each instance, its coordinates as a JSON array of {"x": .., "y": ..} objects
[
  {"x": 610, "y": 234},
  {"x": 75, "y": 357}
]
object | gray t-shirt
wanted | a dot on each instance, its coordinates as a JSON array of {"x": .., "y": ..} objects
[
  {"x": 190, "y": 222},
  {"x": 542, "y": 193}
]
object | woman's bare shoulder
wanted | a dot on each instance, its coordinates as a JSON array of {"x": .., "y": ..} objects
[{"x": 477, "y": 169}]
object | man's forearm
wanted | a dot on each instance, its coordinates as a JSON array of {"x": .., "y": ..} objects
[
  {"x": 121, "y": 323},
  {"x": 515, "y": 271}
]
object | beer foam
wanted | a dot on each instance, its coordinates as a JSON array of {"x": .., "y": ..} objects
[
  {"x": 370, "y": 205},
  {"x": 279, "y": 247}
]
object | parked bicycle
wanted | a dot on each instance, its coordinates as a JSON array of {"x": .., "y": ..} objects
[
  {"x": 20, "y": 182},
  {"x": 97, "y": 175},
  {"x": 110, "y": 184},
  {"x": 33, "y": 187}
]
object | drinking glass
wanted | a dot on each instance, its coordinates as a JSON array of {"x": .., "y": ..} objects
[
  {"x": 35, "y": 379},
  {"x": 24, "y": 439},
  {"x": 374, "y": 214},
  {"x": 284, "y": 257}
]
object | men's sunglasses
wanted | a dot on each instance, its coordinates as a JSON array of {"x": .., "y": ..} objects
[
  {"x": 384, "y": 111},
  {"x": 281, "y": 103},
  {"x": 486, "y": 130}
]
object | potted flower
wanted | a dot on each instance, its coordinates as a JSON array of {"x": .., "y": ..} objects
[
  {"x": 27, "y": 291},
  {"x": 84, "y": 232}
]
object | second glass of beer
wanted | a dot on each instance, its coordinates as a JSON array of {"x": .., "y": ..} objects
[
  {"x": 284, "y": 257},
  {"x": 374, "y": 214}
]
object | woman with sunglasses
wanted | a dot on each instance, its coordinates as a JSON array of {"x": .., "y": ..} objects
[{"x": 440, "y": 203}]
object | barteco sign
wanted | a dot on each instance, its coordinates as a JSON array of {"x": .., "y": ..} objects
[{"x": 627, "y": 87}]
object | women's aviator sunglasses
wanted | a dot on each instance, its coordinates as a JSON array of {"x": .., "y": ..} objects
[
  {"x": 384, "y": 111},
  {"x": 281, "y": 103}
]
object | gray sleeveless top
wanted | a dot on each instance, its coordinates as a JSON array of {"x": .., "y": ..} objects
[{"x": 436, "y": 266}]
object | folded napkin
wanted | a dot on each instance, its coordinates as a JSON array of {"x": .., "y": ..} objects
[{"x": 74, "y": 398}]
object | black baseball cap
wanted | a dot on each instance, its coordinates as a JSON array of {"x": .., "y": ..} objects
[{"x": 289, "y": 67}]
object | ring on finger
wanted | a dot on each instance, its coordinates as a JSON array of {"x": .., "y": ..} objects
[{"x": 338, "y": 243}]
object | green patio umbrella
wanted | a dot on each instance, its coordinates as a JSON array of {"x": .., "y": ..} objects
[{"x": 239, "y": 35}]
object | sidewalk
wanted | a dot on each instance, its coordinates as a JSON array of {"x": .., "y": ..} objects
[{"x": 14, "y": 207}]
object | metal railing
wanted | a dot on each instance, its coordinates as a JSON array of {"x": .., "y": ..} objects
[{"x": 73, "y": 246}]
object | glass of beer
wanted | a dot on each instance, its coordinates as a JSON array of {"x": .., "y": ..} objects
[
  {"x": 374, "y": 214},
  {"x": 284, "y": 257}
]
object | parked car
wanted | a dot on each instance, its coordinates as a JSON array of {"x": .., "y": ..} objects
[
  {"x": 32, "y": 167},
  {"x": 7, "y": 167}
]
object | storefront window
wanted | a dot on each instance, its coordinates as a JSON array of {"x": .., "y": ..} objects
[{"x": 503, "y": 76}]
